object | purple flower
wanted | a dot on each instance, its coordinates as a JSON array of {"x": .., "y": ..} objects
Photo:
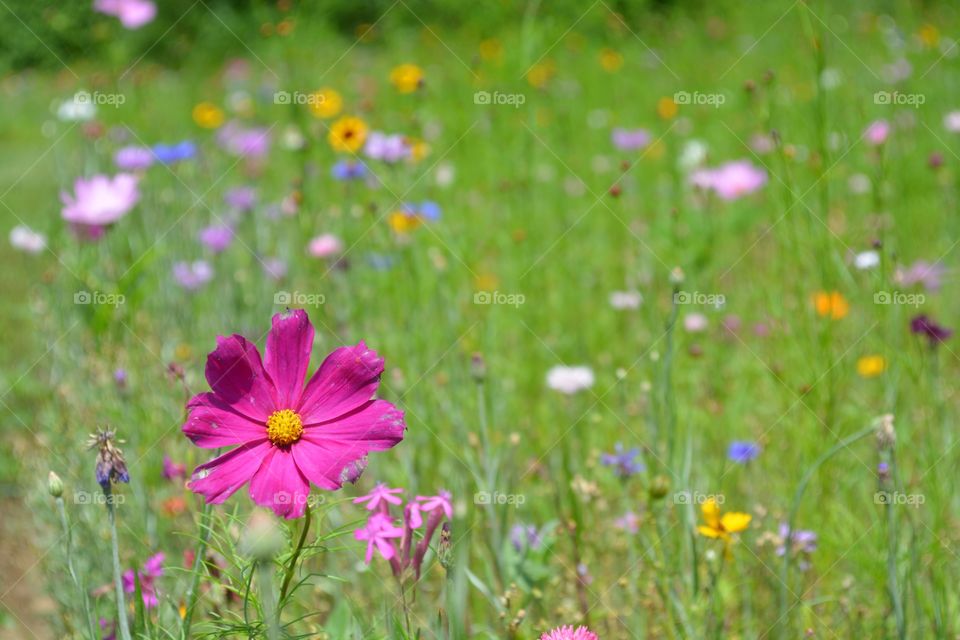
[
  {"x": 241, "y": 198},
  {"x": 133, "y": 158},
  {"x": 249, "y": 143},
  {"x": 742, "y": 451},
  {"x": 624, "y": 463},
  {"x": 192, "y": 275},
  {"x": 389, "y": 148},
  {"x": 629, "y": 522},
  {"x": 923, "y": 325},
  {"x": 526, "y": 536},
  {"x": 928, "y": 274},
  {"x": 275, "y": 268},
  {"x": 800, "y": 542},
  {"x": 346, "y": 170},
  {"x": 630, "y": 139},
  {"x": 148, "y": 574},
  {"x": 173, "y": 470},
  {"x": 216, "y": 238}
]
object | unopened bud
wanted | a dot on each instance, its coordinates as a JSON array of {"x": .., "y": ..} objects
[
  {"x": 54, "y": 485},
  {"x": 478, "y": 367},
  {"x": 886, "y": 435},
  {"x": 676, "y": 276},
  {"x": 262, "y": 539},
  {"x": 659, "y": 487}
]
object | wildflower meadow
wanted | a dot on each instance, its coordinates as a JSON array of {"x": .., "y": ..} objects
[{"x": 506, "y": 320}]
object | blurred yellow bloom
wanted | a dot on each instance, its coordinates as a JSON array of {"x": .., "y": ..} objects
[
  {"x": 611, "y": 60},
  {"x": 347, "y": 134},
  {"x": 326, "y": 102},
  {"x": 539, "y": 74},
  {"x": 491, "y": 49},
  {"x": 407, "y": 78},
  {"x": 666, "y": 108},
  {"x": 871, "y": 366},
  {"x": 208, "y": 115},
  {"x": 718, "y": 526},
  {"x": 929, "y": 35},
  {"x": 401, "y": 222},
  {"x": 831, "y": 304},
  {"x": 419, "y": 149},
  {"x": 486, "y": 282}
]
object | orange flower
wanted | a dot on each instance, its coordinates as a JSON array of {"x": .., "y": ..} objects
[
  {"x": 666, "y": 108},
  {"x": 831, "y": 304}
]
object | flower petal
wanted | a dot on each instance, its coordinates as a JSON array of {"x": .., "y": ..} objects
[
  {"x": 346, "y": 380},
  {"x": 218, "y": 479},
  {"x": 734, "y": 522},
  {"x": 212, "y": 423},
  {"x": 288, "y": 354},
  {"x": 710, "y": 532},
  {"x": 235, "y": 373},
  {"x": 279, "y": 485},
  {"x": 324, "y": 451}
]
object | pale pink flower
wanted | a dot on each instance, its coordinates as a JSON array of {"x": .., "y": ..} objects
[
  {"x": 877, "y": 132},
  {"x": 98, "y": 202},
  {"x": 326, "y": 245},
  {"x": 569, "y": 380},
  {"x": 569, "y": 633},
  {"x": 132, "y": 14},
  {"x": 380, "y": 494},
  {"x": 731, "y": 180}
]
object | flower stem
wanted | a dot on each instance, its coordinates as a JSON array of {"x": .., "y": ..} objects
[
  {"x": 193, "y": 593},
  {"x": 122, "y": 623},
  {"x": 271, "y": 611},
  {"x": 84, "y": 600},
  {"x": 291, "y": 568}
]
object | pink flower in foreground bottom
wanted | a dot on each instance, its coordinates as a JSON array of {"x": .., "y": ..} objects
[
  {"x": 569, "y": 633},
  {"x": 289, "y": 435}
]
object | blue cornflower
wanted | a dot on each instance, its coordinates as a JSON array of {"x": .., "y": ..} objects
[
  {"x": 349, "y": 170},
  {"x": 624, "y": 462},
  {"x": 742, "y": 451},
  {"x": 171, "y": 153}
]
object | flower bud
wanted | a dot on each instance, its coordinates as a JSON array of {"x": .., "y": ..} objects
[
  {"x": 54, "y": 485},
  {"x": 659, "y": 487},
  {"x": 262, "y": 539},
  {"x": 886, "y": 435}
]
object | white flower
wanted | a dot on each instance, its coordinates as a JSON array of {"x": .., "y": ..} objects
[
  {"x": 695, "y": 322},
  {"x": 79, "y": 108},
  {"x": 951, "y": 122},
  {"x": 622, "y": 300},
  {"x": 859, "y": 183},
  {"x": 866, "y": 260},
  {"x": 26, "y": 239},
  {"x": 693, "y": 155},
  {"x": 569, "y": 380}
]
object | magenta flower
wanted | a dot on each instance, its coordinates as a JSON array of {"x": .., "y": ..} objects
[
  {"x": 378, "y": 532},
  {"x": 98, "y": 202},
  {"x": 569, "y": 633},
  {"x": 381, "y": 494},
  {"x": 288, "y": 435},
  {"x": 148, "y": 574},
  {"x": 731, "y": 180},
  {"x": 216, "y": 238},
  {"x": 173, "y": 470},
  {"x": 877, "y": 132},
  {"x": 440, "y": 501},
  {"x": 132, "y": 14}
]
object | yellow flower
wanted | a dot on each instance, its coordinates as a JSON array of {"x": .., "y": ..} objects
[
  {"x": 491, "y": 49},
  {"x": 347, "y": 134},
  {"x": 419, "y": 149},
  {"x": 718, "y": 526},
  {"x": 871, "y": 366},
  {"x": 666, "y": 108},
  {"x": 402, "y": 222},
  {"x": 611, "y": 60},
  {"x": 831, "y": 304},
  {"x": 539, "y": 74},
  {"x": 929, "y": 35},
  {"x": 326, "y": 102},
  {"x": 407, "y": 78},
  {"x": 208, "y": 115}
]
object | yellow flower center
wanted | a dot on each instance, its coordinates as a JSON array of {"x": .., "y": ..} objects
[{"x": 284, "y": 427}]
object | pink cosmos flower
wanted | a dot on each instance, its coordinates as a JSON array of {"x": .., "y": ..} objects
[
  {"x": 378, "y": 532},
  {"x": 132, "y": 14},
  {"x": 569, "y": 633},
  {"x": 98, "y": 202},
  {"x": 326, "y": 245},
  {"x": 731, "y": 180},
  {"x": 148, "y": 574},
  {"x": 288, "y": 435},
  {"x": 877, "y": 132},
  {"x": 381, "y": 494}
]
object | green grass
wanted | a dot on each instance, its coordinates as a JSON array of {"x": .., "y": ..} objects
[{"x": 528, "y": 213}]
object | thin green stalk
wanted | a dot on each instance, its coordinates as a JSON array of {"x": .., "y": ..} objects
[
  {"x": 291, "y": 568},
  {"x": 270, "y": 608},
  {"x": 791, "y": 520},
  {"x": 193, "y": 593},
  {"x": 84, "y": 599},
  {"x": 122, "y": 623}
]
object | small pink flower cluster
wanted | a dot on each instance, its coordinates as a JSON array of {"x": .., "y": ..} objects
[{"x": 380, "y": 530}]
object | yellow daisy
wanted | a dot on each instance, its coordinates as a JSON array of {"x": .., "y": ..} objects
[
  {"x": 718, "y": 526},
  {"x": 326, "y": 103},
  {"x": 207, "y": 115},
  {"x": 347, "y": 134},
  {"x": 407, "y": 78}
]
